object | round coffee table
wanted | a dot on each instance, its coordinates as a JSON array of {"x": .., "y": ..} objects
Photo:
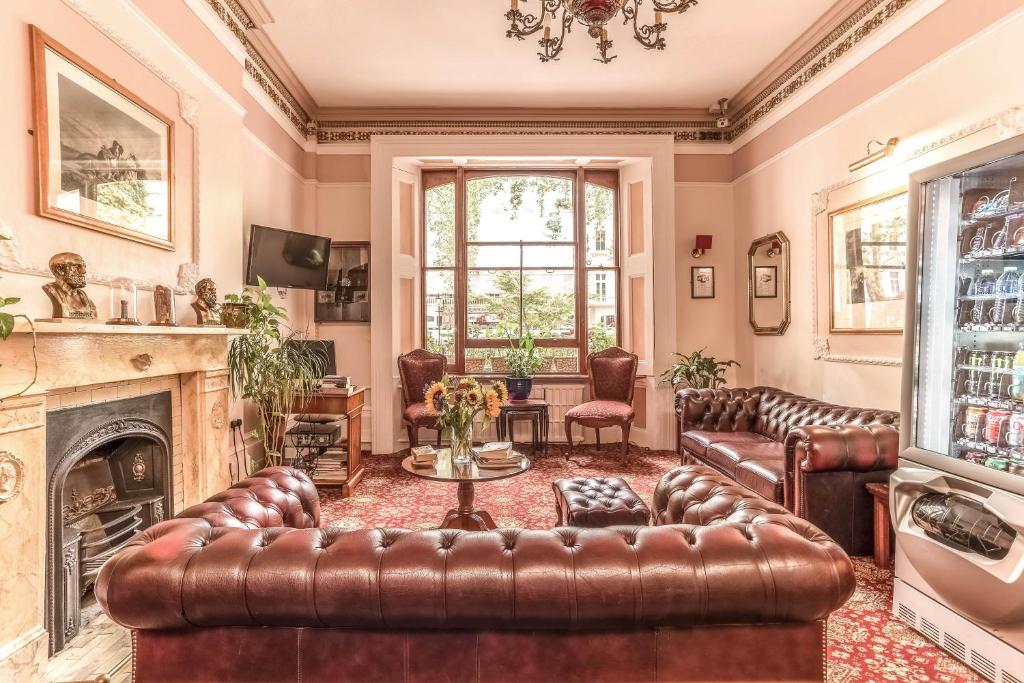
[{"x": 465, "y": 516}]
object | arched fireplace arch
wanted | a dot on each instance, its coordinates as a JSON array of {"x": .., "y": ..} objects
[{"x": 108, "y": 477}]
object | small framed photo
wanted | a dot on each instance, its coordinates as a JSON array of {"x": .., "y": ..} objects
[
  {"x": 766, "y": 282},
  {"x": 702, "y": 282}
]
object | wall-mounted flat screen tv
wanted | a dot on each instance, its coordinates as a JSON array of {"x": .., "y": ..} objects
[{"x": 287, "y": 259}]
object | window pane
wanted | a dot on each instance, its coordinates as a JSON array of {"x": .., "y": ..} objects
[
  {"x": 533, "y": 256},
  {"x": 549, "y": 304},
  {"x": 529, "y": 208},
  {"x": 439, "y": 312},
  {"x": 494, "y": 257},
  {"x": 549, "y": 257},
  {"x": 493, "y": 309},
  {"x": 439, "y": 216},
  {"x": 600, "y": 208},
  {"x": 602, "y": 297}
]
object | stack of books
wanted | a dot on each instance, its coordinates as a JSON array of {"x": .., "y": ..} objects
[
  {"x": 496, "y": 455},
  {"x": 424, "y": 456},
  {"x": 339, "y": 382}
]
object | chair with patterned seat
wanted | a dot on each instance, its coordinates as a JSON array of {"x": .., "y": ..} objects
[
  {"x": 419, "y": 369},
  {"x": 612, "y": 376}
]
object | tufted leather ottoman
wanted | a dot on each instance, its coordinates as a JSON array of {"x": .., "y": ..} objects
[{"x": 598, "y": 502}]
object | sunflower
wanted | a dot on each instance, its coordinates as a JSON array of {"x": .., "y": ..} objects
[
  {"x": 501, "y": 390},
  {"x": 435, "y": 396},
  {"x": 473, "y": 398},
  {"x": 493, "y": 403}
]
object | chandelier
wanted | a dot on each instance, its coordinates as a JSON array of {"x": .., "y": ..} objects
[{"x": 557, "y": 17}]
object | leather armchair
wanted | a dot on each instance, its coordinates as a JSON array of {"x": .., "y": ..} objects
[
  {"x": 612, "y": 379},
  {"x": 418, "y": 369}
]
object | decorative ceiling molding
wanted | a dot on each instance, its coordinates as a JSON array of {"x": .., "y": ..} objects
[
  {"x": 238, "y": 21},
  {"x": 865, "y": 21},
  {"x": 361, "y": 131}
]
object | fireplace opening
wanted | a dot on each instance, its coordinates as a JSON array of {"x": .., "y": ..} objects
[{"x": 106, "y": 485}]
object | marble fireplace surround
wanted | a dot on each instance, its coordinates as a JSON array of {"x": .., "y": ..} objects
[{"x": 90, "y": 363}]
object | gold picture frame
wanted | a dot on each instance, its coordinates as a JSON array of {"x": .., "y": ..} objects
[
  {"x": 867, "y": 260},
  {"x": 104, "y": 158}
]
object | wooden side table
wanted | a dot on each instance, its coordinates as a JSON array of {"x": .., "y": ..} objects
[
  {"x": 332, "y": 401},
  {"x": 883, "y": 525},
  {"x": 534, "y": 410}
]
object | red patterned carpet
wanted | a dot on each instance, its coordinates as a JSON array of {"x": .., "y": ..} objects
[{"x": 865, "y": 643}]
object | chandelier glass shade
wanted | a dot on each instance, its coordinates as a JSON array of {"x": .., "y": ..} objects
[{"x": 555, "y": 19}]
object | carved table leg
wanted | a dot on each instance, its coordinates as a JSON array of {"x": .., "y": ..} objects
[{"x": 466, "y": 516}]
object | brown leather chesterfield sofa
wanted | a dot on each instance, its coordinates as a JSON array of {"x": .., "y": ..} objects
[
  {"x": 246, "y": 587},
  {"x": 811, "y": 456}
]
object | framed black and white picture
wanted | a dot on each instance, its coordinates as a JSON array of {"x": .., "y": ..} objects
[
  {"x": 347, "y": 297},
  {"x": 103, "y": 156},
  {"x": 702, "y": 282},
  {"x": 766, "y": 282}
]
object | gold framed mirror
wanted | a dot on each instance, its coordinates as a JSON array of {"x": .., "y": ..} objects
[{"x": 768, "y": 297}]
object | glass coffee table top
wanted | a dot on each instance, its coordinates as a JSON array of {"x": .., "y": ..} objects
[{"x": 445, "y": 470}]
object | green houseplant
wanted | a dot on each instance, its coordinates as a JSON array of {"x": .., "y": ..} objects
[
  {"x": 698, "y": 371},
  {"x": 7, "y": 321},
  {"x": 523, "y": 360},
  {"x": 266, "y": 368}
]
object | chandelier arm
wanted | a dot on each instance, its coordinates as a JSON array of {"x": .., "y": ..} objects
[
  {"x": 553, "y": 46},
  {"x": 647, "y": 35},
  {"x": 523, "y": 25},
  {"x": 673, "y": 6}
]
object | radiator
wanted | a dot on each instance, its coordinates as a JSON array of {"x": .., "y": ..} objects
[{"x": 560, "y": 399}]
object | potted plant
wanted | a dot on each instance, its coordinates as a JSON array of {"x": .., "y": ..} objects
[
  {"x": 7, "y": 321},
  {"x": 269, "y": 370},
  {"x": 474, "y": 361},
  {"x": 523, "y": 360},
  {"x": 456, "y": 403},
  {"x": 698, "y": 371}
]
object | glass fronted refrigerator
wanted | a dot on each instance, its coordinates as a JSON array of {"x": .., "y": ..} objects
[{"x": 957, "y": 501}]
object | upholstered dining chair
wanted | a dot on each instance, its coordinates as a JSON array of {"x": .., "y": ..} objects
[
  {"x": 612, "y": 376},
  {"x": 418, "y": 369}
]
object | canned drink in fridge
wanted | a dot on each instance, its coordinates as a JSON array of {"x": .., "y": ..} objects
[
  {"x": 1001, "y": 464},
  {"x": 973, "y": 419},
  {"x": 977, "y": 457},
  {"x": 1015, "y": 429},
  {"x": 994, "y": 420}
]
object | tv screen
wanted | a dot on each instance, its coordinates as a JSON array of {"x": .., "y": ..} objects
[{"x": 287, "y": 259}]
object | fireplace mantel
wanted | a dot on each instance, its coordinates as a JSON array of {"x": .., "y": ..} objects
[{"x": 90, "y": 360}]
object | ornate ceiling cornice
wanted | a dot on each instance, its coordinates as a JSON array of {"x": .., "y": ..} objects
[
  {"x": 239, "y": 22},
  {"x": 863, "y": 22}
]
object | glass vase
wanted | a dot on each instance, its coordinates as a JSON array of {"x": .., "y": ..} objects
[{"x": 462, "y": 444}]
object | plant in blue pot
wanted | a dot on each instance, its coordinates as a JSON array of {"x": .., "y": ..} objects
[{"x": 523, "y": 360}]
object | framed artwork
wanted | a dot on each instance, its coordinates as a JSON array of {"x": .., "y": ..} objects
[
  {"x": 702, "y": 282},
  {"x": 347, "y": 297},
  {"x": 766, "y": 282},
  {"x": 103, "y": 156},
  {"x": 867, "y": 266}
]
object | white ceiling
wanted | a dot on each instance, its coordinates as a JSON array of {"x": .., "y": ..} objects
[{"x": 454, "y": 53}]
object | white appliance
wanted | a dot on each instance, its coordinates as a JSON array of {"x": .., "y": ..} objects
[{"x": 957, "y": 500}]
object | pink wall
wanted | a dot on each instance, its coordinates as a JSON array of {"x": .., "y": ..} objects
[{"x": 961, "y": 88}]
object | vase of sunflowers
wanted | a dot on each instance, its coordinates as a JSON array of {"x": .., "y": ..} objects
[{"x": 456, "y": 403}]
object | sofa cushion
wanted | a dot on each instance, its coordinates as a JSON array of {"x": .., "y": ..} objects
[
  {"x": 697, "y": 441},
  {"x": 726, "y": 456},
  {"x": 764, "y": 477}
]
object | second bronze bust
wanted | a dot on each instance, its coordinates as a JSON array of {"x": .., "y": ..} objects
[{"x": 206, "y": 307}]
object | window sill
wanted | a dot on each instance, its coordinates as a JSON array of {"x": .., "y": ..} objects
[{"x": 538, "y": 379}]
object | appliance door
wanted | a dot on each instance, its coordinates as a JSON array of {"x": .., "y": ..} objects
[{"x": 963, "y": 544}]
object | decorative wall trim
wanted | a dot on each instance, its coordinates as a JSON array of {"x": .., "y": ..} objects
[{"x": 238, "y": 22}]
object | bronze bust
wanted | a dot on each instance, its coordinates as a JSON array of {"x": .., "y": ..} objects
[
  {"x": 205, "y": 305},
  {"x": 67, "y": 292}
]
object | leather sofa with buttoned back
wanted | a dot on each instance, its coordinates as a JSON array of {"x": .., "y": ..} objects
[
  {"x": 811, "y": 456},
  {"x": 248, "y": 587}
]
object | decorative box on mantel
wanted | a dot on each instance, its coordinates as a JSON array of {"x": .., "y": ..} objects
[{"x": 91, "y": 363}]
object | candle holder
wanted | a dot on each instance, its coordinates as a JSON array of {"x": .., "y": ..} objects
[{"x": 124, "y": 303}]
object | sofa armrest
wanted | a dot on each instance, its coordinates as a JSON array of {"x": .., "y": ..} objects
[
  {"x": 853, "y": 448},
  {"x": 717, "y": 410},
  {"x": 185, "y": 573},
  {"x": 272, "y": 497}
]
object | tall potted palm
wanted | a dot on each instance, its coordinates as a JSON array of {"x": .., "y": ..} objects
[{"x": 266, "y": 368}]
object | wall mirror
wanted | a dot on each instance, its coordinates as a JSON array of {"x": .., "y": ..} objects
[{"x": 768, "y": 284}]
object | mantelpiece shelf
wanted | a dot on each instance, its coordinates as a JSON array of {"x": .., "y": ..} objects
[{"x": 74, "y": 327}]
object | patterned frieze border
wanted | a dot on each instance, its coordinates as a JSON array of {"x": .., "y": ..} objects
[{"x": 238, "y": 22}]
